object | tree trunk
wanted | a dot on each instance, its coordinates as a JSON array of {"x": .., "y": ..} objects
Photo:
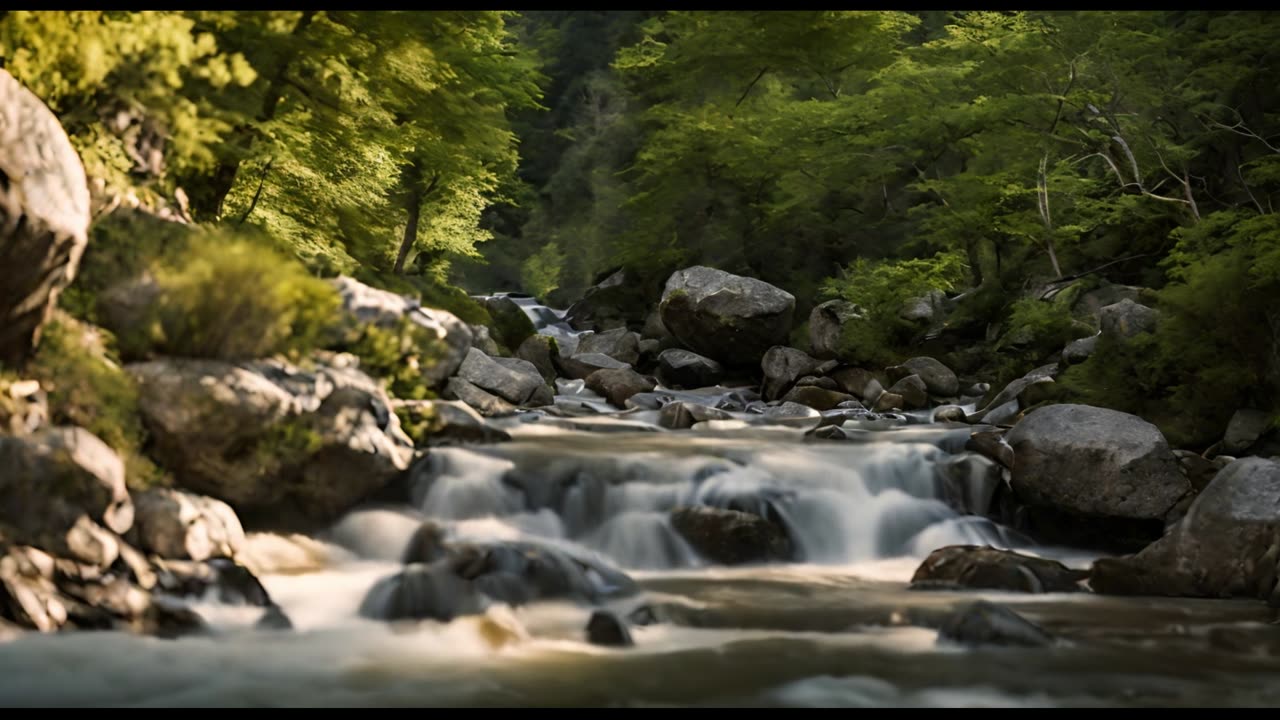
[
  {"x": 410, "y": 230},
  {"x": 209, "y": 204}
]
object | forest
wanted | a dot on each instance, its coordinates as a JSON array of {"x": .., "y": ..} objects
[{"x": 1009, "y": 160}]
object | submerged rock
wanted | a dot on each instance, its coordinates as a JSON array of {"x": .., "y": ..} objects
[
  {"x": 974, "y": 567},
  {"x": 985, "y": 623},
  {"x": 730, "y": 537},
  {"x": 730, "y": 318},
  {"x": 605, "y": 628}
]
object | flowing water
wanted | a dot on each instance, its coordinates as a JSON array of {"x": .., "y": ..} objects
[{"x": 837, "y": 627}]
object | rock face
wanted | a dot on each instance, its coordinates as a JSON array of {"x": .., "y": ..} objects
[
  {"x": 782, "y": 367},
  {"x": 179, "y": 525},
  {"x": 1227, "y": 545},
  {"x": 44, "y": 217},
  {"x": 271, "y": 440},
  {"x": 618, "y": 384},
  {"x": 730, "y": 537},
  {"x": 938, "y": 378},
  {"x": 985, "y": 623},
  {"x": 1094, "y": 462},
  {"x": 730, "y": 318},
  {"x": 365, "y": 305},
  {"x": 55, "y": 481},
  {"x": 512, "y": 379},
  {"x": 687, "y": 370},
  {"x": 970, "y": 566},
  {"x": 826, "y": 326}
]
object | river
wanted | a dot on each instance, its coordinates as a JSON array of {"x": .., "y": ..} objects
[{"x": 840, "y": 628}]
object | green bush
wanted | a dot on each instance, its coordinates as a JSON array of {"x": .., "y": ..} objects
[
  {"x": 232, "y": 298},
  {"x": 87, "y": 387},
  {"x": 398, "y": 356}
]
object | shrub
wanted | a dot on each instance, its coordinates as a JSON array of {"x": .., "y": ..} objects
[{"x": 398, "y": 355}]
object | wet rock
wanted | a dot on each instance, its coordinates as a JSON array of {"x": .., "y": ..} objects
[
  {"x": 958, "y": 567},
  {"x": 991, "y": 444},
  {"x": 510, "y": 323},
  {"x": 275, "y": 442},
  {"x": 512, "y": 379},
  {"x": 890, "y": 401},
  {"x": 949, "y": 414},
  {"x": 605, "y": 628},
  {"x": 816, "y": 397},
  {"x": 970, "y": 483},
  {"x": 581, "y": 365},
  {"x": 730, "y": 537},
  {"x": 788, "y": 409},
  {"x": 427, "y": 545},
  {"x": 540, "y": 350},
  {"x": 855, "y": 381},
  {"x": 825, "y": 383},
  {"x": 447, "y": 421},
  {"x": 826, "y": 326},
  {"x": 683, "y": 369},
  {"x": 620, "y": 344},
  {"x": 985, "y": 623},
  {"x": 1227, "y": 545},
  {"x": 180, "y": 525},
  {"x": 645, "y": 615},
  {"x": 684, "y": 415},
  {"x": 1245, "y": 428},
  {"x": 912, "y": 391},
  {"x": 44, "y": 217},
  {"x": 274, "y": 619},
  {"x": 617, "y": 385},
  {"x": 1077, "y": 351},
  {"x": 782, "y": 367},
  {"x": 56, "y": 480},
  {"x": 1127, "y": 318},
  {"x": 729, "y": 318},
  {"x": 1094, "y": 462},
  {"x": 222, "y": 578},
  {"x": 487, "y": 404},
  {"x": 363, "y": 305},
  {"x": 938, "y": 379}
]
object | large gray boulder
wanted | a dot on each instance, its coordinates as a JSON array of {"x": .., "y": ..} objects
[
  {"x": 938, "y": 379},
  {"x": 184, "y": 526},
  {"x": 1244, "y": 429},
  {"x": 56, "y": 480},
  {"x": 451, "y": 337},
  {"x": 540, "y": 350},
  {"x": 1094, "y": 462},
  {"x": 512, "y": 379},
  {"x": 683, "y": 369},
  {"x": 620, "y": 344},
  {"x": 1227, "y": 545},
  {"x": 581, "y": 365},
  {"x": 277, "y": 443},
  {"x": 726, "y": 317},
  {"x": 826, "y": 326},
  {"x": 782, "y": 367},
  {"x": 44, "y": 217},
  {"x": 484, "y": 402},
  {"x": 621, "y": 300},
  {"x": 510, "y": 322},
  {"x": 1127, "y": 318},
  {"x": 618, "y": 384}
]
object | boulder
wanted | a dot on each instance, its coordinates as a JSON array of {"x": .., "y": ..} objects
[
  {"x": 730, "y": 537},
  {"x": 986, "y": 623},
  {"x": 512, "y": 379},
  {"x": 485, "y": 403},
  {"x": 482, "y": 340},
  {"x": 887, "y": 401},
  {"x": 1077, "y": 351},
  {"x": 621, "y": 300},
  {"x": 540, "y": 350},
  {"x": 958, "y": 567},
  {"x": 54, "y": 481},
  {"x": 826, "y": 326},
  {"x": 788, "y": 409},
  {"x": 1006, "y": 404},
  {"x": 816, "y": 397},
  {"x": 825, "y": 383},
  {"x": 1094, "y": 462},
  {"x": 855, "y": 381},
  {"x": 913, "y": 392},
  {"x": 620, "y": 344},
  {"x": 24, "y": 407},
  {"x": 1245, "y": 428},
  {"x": 273, "y": 441},
  {"x": 511, "y": 324},
  {"x": 925, "y": 309},
  {"x": 607, "y": 629},
  {"x": 447, "y": 421},
  {"x": 729, "y": 318},
  {"x": 938, "y": 379},
  {"x": 364, "y": 305},
  {"x": 684, "y": 415},
  {"x": 618, "y": 384},
  {"x": 782, "y": 367},
  {"x": 1127, "y": 318},
  {"x": 185, "y": 526},
  {"x": 44, "y": 217},
  {"x": 683, "y": 369},
  {"x": 1227, "y": 544},
  {"x": 581, "y": 365}
]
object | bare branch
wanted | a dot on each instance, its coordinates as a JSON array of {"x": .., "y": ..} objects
[{"x": 746, "y": 92}]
